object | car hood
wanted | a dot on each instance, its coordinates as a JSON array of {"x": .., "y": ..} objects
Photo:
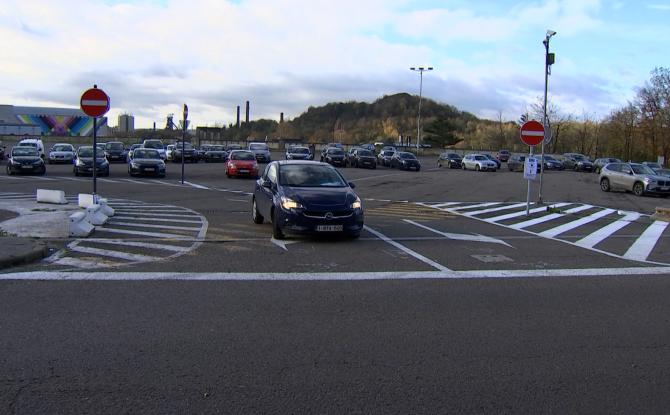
[
  {"x": 62, "y": 153},
  {"x": 89, "y": 160},
  {"x": 318, "y": 198},
  {"x": 25, "y": 158},
  {"x": 148, "y": 162}
]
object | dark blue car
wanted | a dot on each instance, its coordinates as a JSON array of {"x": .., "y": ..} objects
[{"x": 306, "y": 197}]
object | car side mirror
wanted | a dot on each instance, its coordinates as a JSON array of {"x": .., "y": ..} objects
[
  {"x": 352, "y": 185},
  {"x": 266, "y": 183}
]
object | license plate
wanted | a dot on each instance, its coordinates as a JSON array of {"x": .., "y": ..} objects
[
  {"x": 244, "y": 171},
  {"x": 26, "y": 167},
  {"x": 329, "y": 228},
  {"x": 149, "y": 169},
  {"x": 665, "y": 189}
]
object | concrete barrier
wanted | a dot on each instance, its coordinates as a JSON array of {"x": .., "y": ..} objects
[
  {"x": 86, "y": 200},
  {"x": 104, "y": 207},
  {"x": 51, "y": 196},
  {"x": 79, "y": 226},
  {"x": 95, "y": 216},
  {"x": 662, "y": 213}
]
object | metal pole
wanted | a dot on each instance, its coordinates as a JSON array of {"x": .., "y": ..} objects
[
  {"x": 183, "y": 139},
  {"x": 544, "y": 114},
  {"x": 528, "y": 192},
  {"x": 95, "y": 159},
  {"x": 418, "y": 121}
]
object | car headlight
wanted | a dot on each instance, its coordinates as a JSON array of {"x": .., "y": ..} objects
[
  {"x": 38, "y": 162},
  {"x": 357, "y": 203},
  {"x": 134, "y": 165},
  {"x": 79, "y": 162},
  {"x": 232, "y": 165},
  {"x": 288, "y": 204}
]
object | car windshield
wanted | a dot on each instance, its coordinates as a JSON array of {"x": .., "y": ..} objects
[
  {"x": 258, "y": 147},
  {"x": 299, "y": 150},
  {"x": 365, "y": 153},
  {"x": 187, "y": 146},
  {"x": 87, "y": 152},
  {"x": 216, "y": 148},
  {"x": 145, "y": 153},
  {"x": 654, "y": 165},
  {"x": 453, "y": 156},
  {"x": 310, "y": 175},
  {"x": 24, "y": 151},
  {"x": 387, "y": 153},
  {"x": 335, "y": 151},
  {"x": 62, "y": 147},
  {"x": 480, "y": 158},
  {"x": 24, "y": 144},
  {"x": 407, "y": 156},
  {"x": 153, "y": 144},
  {"x": 641, "y": 169},
  {"x": 114, "y": 146},
  {"x": 242, "y": 155}
]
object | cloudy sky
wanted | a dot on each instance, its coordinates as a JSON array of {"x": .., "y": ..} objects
[{"x": 151, "y": 56}]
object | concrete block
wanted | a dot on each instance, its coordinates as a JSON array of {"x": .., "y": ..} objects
[
  {"x": 86, "y": 200},
  {"x": 105, "y": 208},
  {"x": 79, "y": 226},
  {"x": 95, "y": 216},
  {"x": 51, "y": 196}
]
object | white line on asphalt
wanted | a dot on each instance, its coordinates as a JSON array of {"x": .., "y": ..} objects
[
  {"x": 601, "y": 234},
  {"x": 197, "y": 186},
  {"x": 460, "y": 236},
  {"x": 153, "y": 209},
  {"x": 134, "y": 181},
  {"x": 127, "y": 205},
  {"x": 522, "y": 213},
  {"x": 381, "y": 176},
  {"x": 142, "y": 218},
  {"x": 167, "y": 183},
  {"x": 84, "y": 263},
  {"x": 547, "y": 218},
  {"x": 481, "y": 212},
  {"x": 74, "y": 179},
  {"x": 643, "y": 246},
  {"x": 550, "y": 233},
  {"x": 405, "y": 249},
  {"x": 127, "y": 242},
  {"x": 108, "y": 180},
  {"x": 633, "y": 272},
  {"x": 114, "y": 254},
  {"x": 475, "y": 206},
  {"x": 141, "y": 233},
  {"x": 159, "y": 215},
  {"x": 144, "y": 225},
  {"x": 49, "y": 179}
]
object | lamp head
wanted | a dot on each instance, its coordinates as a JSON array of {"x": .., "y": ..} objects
[{"x": 550, "y": 33}]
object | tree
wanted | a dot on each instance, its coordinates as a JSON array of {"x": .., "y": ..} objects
[{"x": 442, "y": 132}]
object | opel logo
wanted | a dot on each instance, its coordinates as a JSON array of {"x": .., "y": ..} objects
[{"x": 329, "y": 216}]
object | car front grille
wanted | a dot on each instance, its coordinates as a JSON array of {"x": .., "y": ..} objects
[{"x": 336, "y": 214}]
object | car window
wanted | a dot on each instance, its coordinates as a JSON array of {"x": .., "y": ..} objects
[
  {"x": 365, "y": 153},
  {"x": 625, "y": 169},
  {"x": 407, "y": 156},
  {"x": 242, "y": 155},
  {"x": 85, "y": 152},
  {"x": 641, "y": 169},
  {"x": 153, "y": 144},
  {"x": 24, "y": 144},
  {"x": 146, "y": 153},
  {"x": 114, "y": 146},
  {"x": 480, "y": 158},
  {"x": 310, "y": 175},
  {"x": 335, "y": 151},
  {"x": 24, "y": 151},
  {"x": 258, "y": 147},
  {"x": 62, "y": 147},
  {"x": 272, "y": 173}
]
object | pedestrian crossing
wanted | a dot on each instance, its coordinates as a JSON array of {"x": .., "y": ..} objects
[{"x": 628, "y": 235}]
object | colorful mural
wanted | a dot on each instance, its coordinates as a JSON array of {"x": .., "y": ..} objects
[{"x": 62, "y": 124}]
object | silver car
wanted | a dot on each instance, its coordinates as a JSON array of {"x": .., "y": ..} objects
[
  {"x": 478, "y": 162},
  {"x": 633, "y": 177}
]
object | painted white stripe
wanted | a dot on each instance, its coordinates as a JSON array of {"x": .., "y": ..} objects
[
  {"x": 144, "y": 225},
  {"x": 601, "y": 234},
  {"x": 634, "y": 272},
  {"x": 140, "y": 233},
  {"x": 533, "y": 133},
  {"x": 475, "y": 206},
  {"x": 550, "y": 233},
  {"x": 18, "y": 197},
  {"x": 197, "y": 186},
  {"x": 95, "y": 102},
  {"x": 126, "y": 242},
  {"x": 643, "y": 246},
  {"x": 141, "y": 218},
  {"x": 48, "y": 179},
  {"x": 114, "y": 254},
  {"x": 74, "y": 179},
  {"x": 134, "y": 181},
  {"x": 460, "y": 236},
  {"x": 547, "y": 218},
  {"x": 167, "y": 183},
  {"x": 107, "y": 180},
  {"x": 438, "y": 205},
  {"x": 161, "y": 215},
  {"x": 405, "y": 249},
  {"x": 522, "y": 213},
  {"x": 84, "y": 263},
  {"x": 481, "y": 212},
  {"x": 131, "y": 205},
  {"x": 13, "y": 177}
]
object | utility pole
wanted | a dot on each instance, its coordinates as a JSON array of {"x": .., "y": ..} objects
[
  {"x": 421, "y": 70},
  {"x": 548, "y": 61}
]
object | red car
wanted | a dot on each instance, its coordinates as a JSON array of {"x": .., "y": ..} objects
[
  {"x": 503, "y": 156},
  {"x": 242, "y": 163}
]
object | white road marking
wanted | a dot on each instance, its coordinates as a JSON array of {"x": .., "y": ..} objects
[
  {"x": 167, "y": 183},
  {"x": 547, "y": 218},
  {"x": 159, "y": 215},
  {"x": 13, "y": 177},
  {"x": 481, "y": 212},
  {"x": 601, "y": 234},
  {"x": 550, "y": 233},
  {"x": 74, "y": 179},
  {"x": 134, "y": 181},
  {"x": 643, "y": 246},
  {"x": 405, "y": 249},
  {"x": 107, "y": 180},
  {"x": 153, "y": 207},
  {"x": 126, "y": 242},
  {"x": 141, "y": 233},
  {"x": 113, "y": 254},
  {"x": 633, "y": 272},
  {"x": 522, "y": 213},
  {"x": 145, "y": 225},
  {"x": 84, "y": 263},
  {"x": 475, "y": 206},
  {"x": 197, "y": 186},
  {"x": 156, "y": 209},
  {"x": 282, "y": 244},
  {"x": 460, "y": 236},
  {"x": 148, "y": 219},
  {"x": 49, "y": 179}
]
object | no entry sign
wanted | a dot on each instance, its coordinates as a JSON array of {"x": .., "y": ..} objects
[
  {"x": 94, "y": 102},
  {"x": 532, "y": 133}
]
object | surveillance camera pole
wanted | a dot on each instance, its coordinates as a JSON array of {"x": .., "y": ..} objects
[
  {"x": 547, "y": 70},
  {"x": 421, "y": 70}
]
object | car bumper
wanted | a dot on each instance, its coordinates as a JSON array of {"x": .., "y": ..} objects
[
  {"x": 243, "y": 172},
  {"x": 62, "y": 160},
  {"x": 317, "y": 223},
  {"x": 26, "y": 168},
  {"x": 262, "y": 158},
  {"x": 336, "y": 162},
  {"x": 117, "y": 157},
  {"x": 147, "y": 171},
  {"x": 89, "y": 170}
]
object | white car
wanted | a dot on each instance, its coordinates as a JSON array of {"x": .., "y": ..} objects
[
  {"x": 169, "y": 152},
  {"x": 62, "y": 153},
  {"x": 156, "y": 145},
  {"x": 35, "y": 143},
  {"x": 478, "y": 162}
]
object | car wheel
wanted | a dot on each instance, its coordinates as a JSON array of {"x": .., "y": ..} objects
[
  {"x": 354, "y": 235},
  {"x": 638, "y": 189},
  {"x": 463, "y": 166},
  {"x": 9, "y": 171},
  {"x": 255, "y": 214},
  {"x": 605, "y": 184},
  {"x": 477, "y": 167},
  {"x": 439, "y": 165},
  {"x": 276, "y": 228},
  {"x": 43, "y": 171},
  {"x": 418, "y": 168}
]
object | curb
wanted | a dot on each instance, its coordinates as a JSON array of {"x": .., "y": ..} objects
[
  {"x": 39, "y": 251},
  {"x": 662, "y": 214}
]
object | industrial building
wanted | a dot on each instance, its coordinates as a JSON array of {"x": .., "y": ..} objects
[
  {"x": 126, "y": 123},
  {"x": 15, "y": 120}
]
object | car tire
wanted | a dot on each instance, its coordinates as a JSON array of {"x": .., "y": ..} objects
[
  {"x": 418, "y": 168},
  {"x": 605, "y": 184},
  {"x": 463, "y": 166},
  {"x": 477, "y": 167},
  {"x": 9, "y": 171},
  {"x": 354, "y": 235},
  {"x": 43, "y": 171},
  {"x": 638, "y": 189},
  {"x": 276, "y": 228},
  {"x": 255, "y": 214}
]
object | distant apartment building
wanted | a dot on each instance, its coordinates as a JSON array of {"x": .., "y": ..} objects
[{"x": 126, "y": 123}]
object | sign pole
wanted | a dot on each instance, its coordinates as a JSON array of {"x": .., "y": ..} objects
[
  {"x": 183, "y": 139},
  {"x": 530, "y": 155},
  {"x": 95, "y": 159}
]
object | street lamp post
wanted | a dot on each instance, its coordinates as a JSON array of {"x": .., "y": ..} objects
[
  {"x": 421, "y": 70},
  {"x": 548, "y": 61}
]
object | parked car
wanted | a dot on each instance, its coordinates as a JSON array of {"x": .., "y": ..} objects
[
  {"x": 115, "y": 151},
  {"x": 169, "y": 152},
  {"x": 633, "y": 177},
  {"x": 261, "y": 151},
  {"x": 663, "y": 172},
  {"x": 335, "y": 156},
  {"x": 493, "y": 159},
  {"x": 306, "y": 197},
  {"x": 364, "y": 158},
  {"x": 368, "y": 146},
  {"x": 478, "y": 162},
  {"x": 389, "y": 148},
  {"x": 516, "y": 162},
  {"x": 581, "y": 162},
  {"x": 503, "y": 156},
  {"x": 652, "y": 165},
  {"x": 598, "y": 164},
  {"x": 84, "y": 163},
  {"x": 146, "y": 161},
  {"x": 384, "y": 157},
  {"x": 241, "y": 163},
  {"x": 404, "y": 160},
  {"x": 25, "y": 159},
  {"x": 62, "y": 153},
  {"x": 350, "y": 154},
  {"x": 156, "y": 145},
  {"x": 298, "y": 153},
  {"x": 188, "y": 151},
  {"x": 552, "y": 163},
  {"x": 132, "y": 149},
  {"x": 35, "y": 143},
  {"x": 214, "y": 153},
  {"x": 232, "y": 147},
  {"x": 451, "y": 160},
  {"x": 2, "y": 151}
]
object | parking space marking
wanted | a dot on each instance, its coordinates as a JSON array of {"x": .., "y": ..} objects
[
  {"x": 475, "y": 206},
  {"x": 547, "y": 218},
  {"x": 145, "y": 225},
  {"x": 576, "y": 223},
  {"x": 406, "y": 249},
  {"x": 523, "y": 212},
  {"x": 142, "y": 233},
  {"x": 460, "y": 236},
  {"x": 642, "y": 247},
  {"x": 113, "y": 254},
  {"x": 150, "y": 219},
  {"x": 164, "y": 247},
  {"x": 197, "y": 186},
  {"x": 603, "y": 233},
  {"x": 495, "y": 209}
]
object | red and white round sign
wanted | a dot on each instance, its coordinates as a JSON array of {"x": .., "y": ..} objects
[
  {"x": 532, "y": 133},
  {"x": 94, "y": 102}
]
